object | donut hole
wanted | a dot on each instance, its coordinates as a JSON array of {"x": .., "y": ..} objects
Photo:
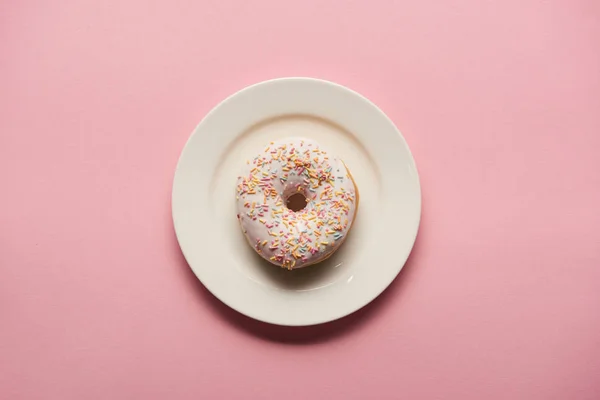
[{"x": 296, "y": 202}]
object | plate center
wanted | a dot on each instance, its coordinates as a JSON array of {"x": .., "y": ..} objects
[{"x": 340, "y": 267}]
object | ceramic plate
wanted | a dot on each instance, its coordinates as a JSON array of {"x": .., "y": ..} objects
[{"x": 345, "y": 123}]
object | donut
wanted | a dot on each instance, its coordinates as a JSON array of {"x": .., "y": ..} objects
[{"x": 296, "y": 203}]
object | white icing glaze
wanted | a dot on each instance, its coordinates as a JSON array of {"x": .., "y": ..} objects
[{"x": 284, "y": 237}]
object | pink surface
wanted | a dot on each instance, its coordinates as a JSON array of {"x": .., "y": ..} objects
[{"x": 499, "y": 101}]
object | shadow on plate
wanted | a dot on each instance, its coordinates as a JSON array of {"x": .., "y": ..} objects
[{"x": 302, "y": 334}]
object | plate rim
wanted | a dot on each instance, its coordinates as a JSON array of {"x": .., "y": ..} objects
[{"x": 415, "y": 230}]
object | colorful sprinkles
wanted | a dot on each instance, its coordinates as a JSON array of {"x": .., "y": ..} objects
[{"x": 295, "y": 238}]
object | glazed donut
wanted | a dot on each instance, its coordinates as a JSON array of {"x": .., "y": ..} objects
[{"x": 295, "y": 203}]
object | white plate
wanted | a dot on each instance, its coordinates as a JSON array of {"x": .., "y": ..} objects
[{"x": 379, "y": 160}]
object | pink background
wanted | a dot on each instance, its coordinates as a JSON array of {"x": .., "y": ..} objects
[{"x": 499, "y": 101}]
